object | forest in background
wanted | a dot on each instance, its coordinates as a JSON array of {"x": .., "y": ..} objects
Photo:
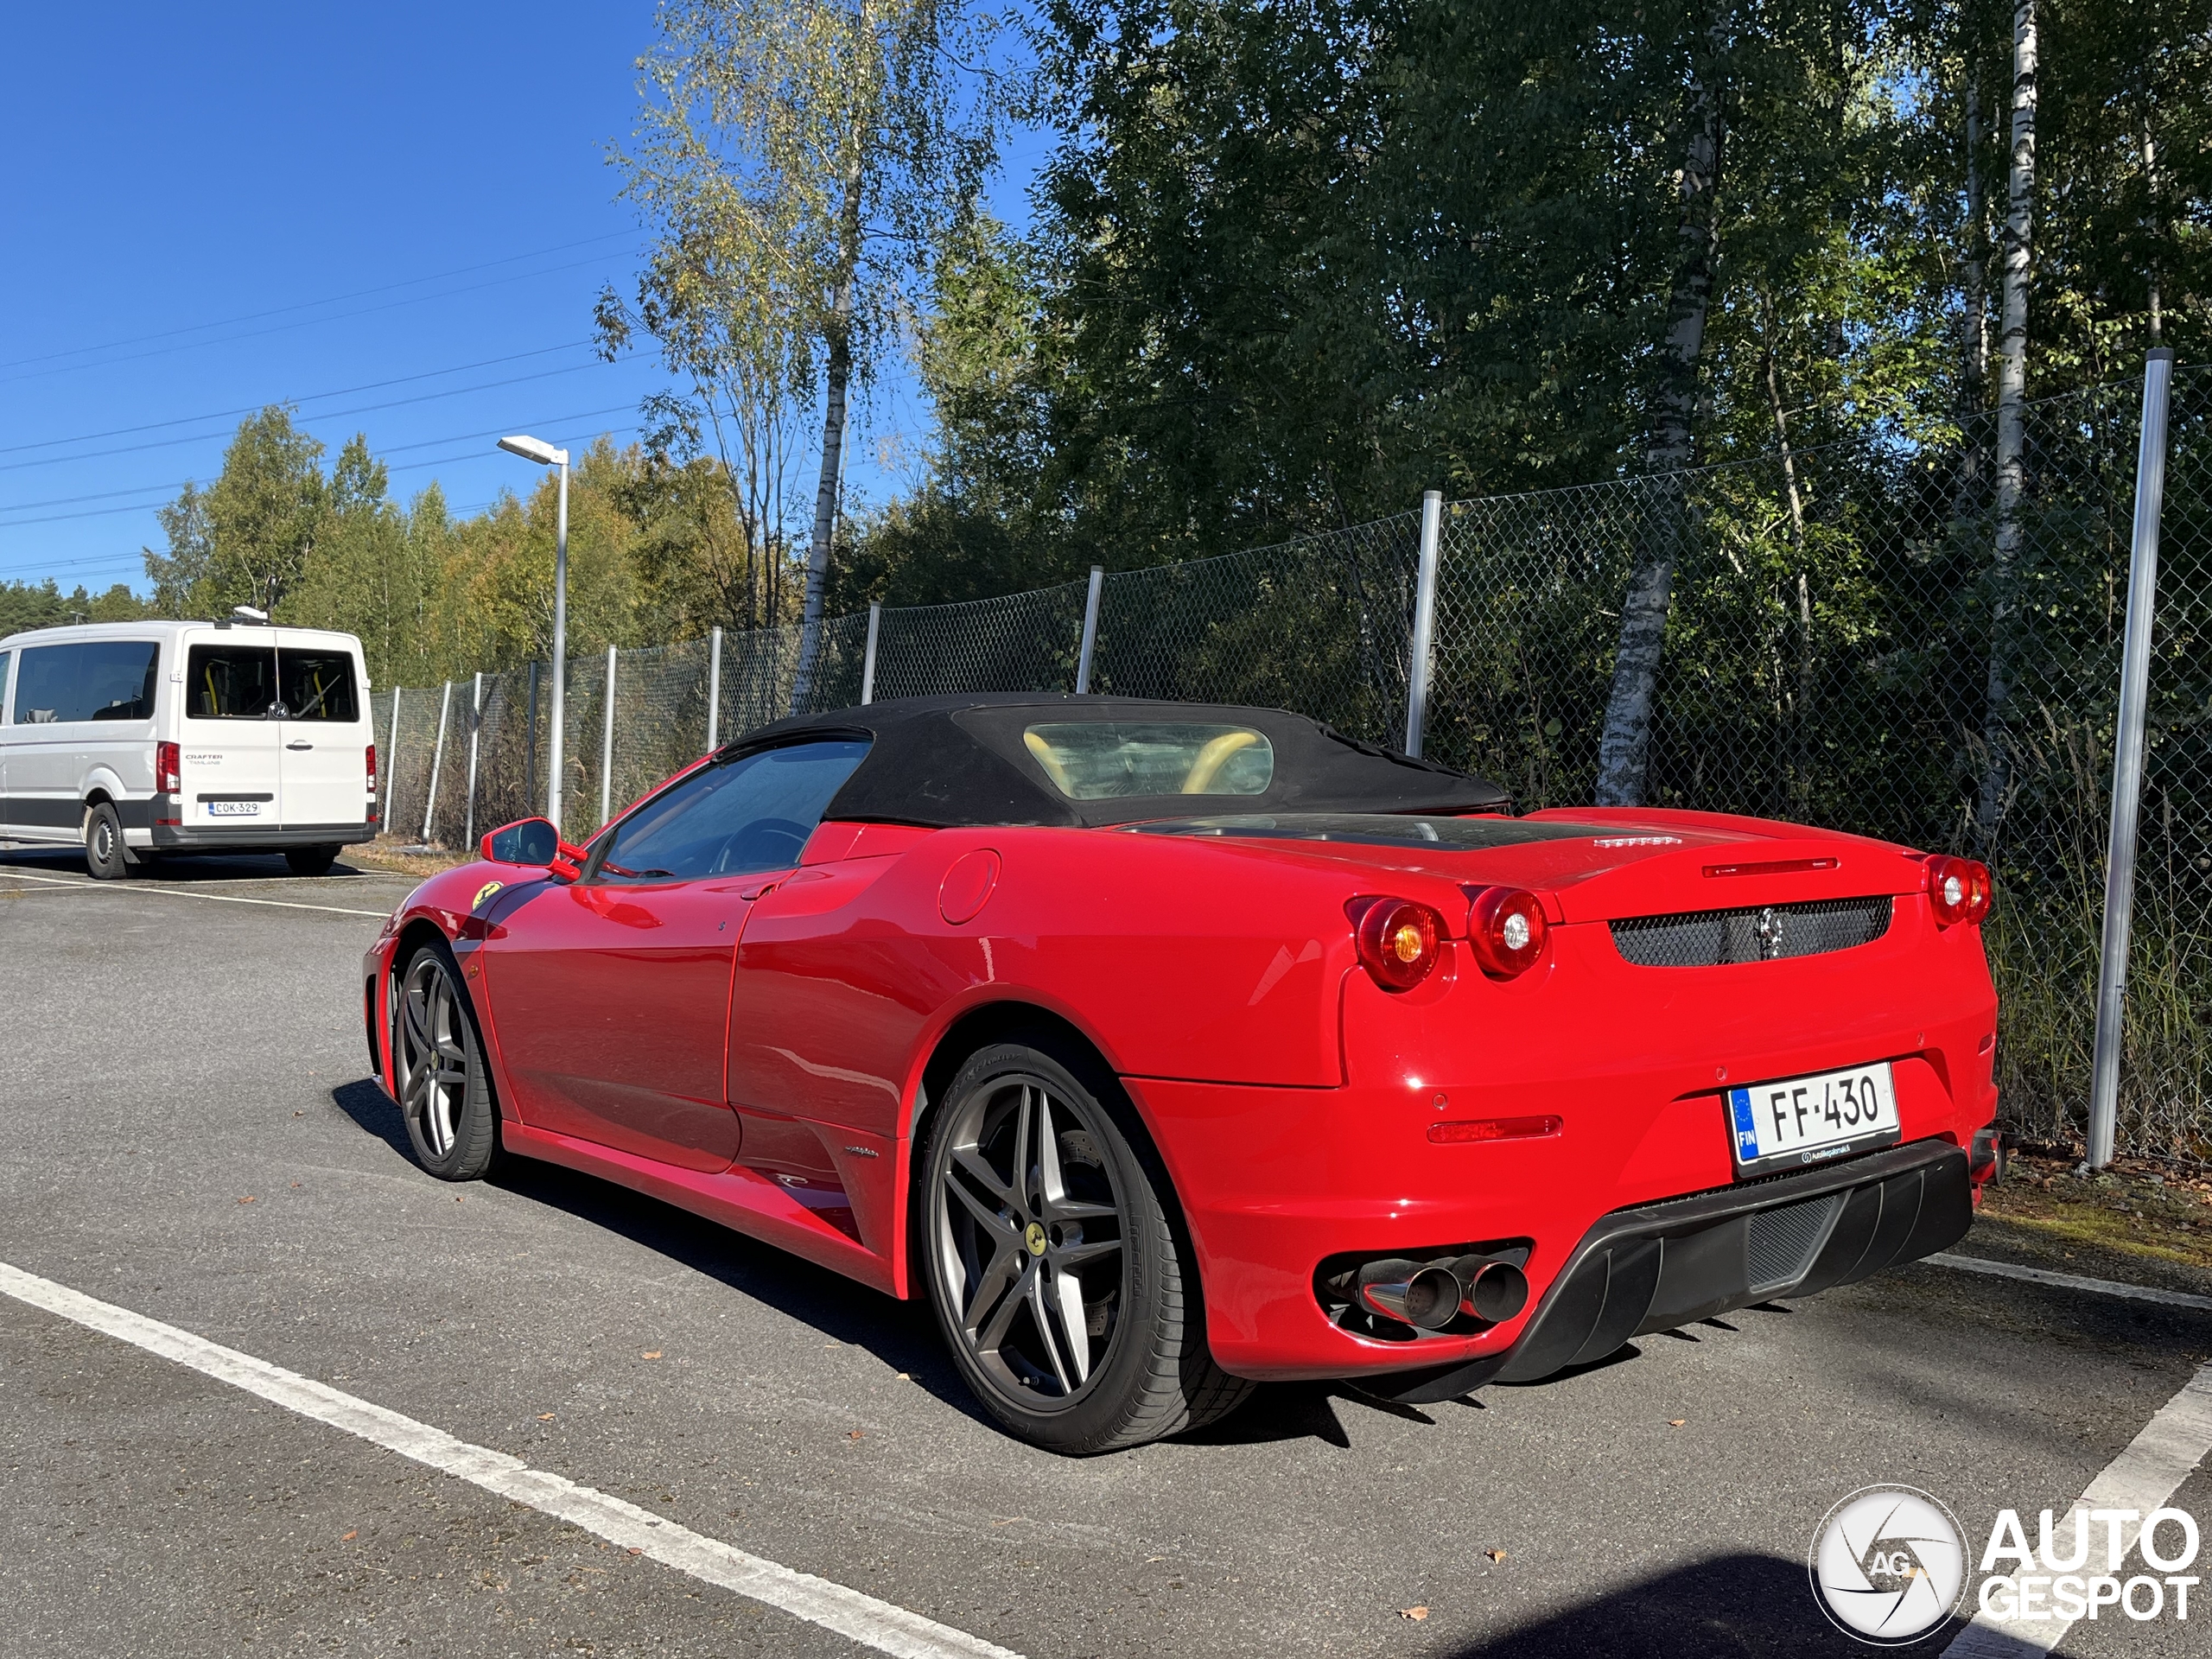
[{"x": 1288, "y": 266}]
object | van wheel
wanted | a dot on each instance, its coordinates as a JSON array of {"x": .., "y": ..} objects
[
  {"x": 310, "y": 861},
  {"x": 444, "y": 1094},
  {"x": 104, "y": 850}
]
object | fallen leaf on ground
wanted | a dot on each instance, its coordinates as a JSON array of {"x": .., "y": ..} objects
[
  {"x": 857, "y": 1434},
  {"x": 1494, "y": 1555},
  {"x": 247, "y": 1199},
  {"x": 650, "y": 1353},
  {"x": 350, "y": 1536},
  {"x": 544, "y": 1416},
  {"x": 1677, "y": 1422},
  {"x": 1413, "y": 1613}
]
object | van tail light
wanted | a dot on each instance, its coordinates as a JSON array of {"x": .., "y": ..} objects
[
  {"x": 1958, "y": 889},
  {"x": 168, "y": 769},
  {"x": 1506, "y": 930},
  {"x": 1399, "y": 940},
  {"x": 372, "y": 769}
]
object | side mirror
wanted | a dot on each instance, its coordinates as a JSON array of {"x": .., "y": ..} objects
[{"x": 526, "y": 841}]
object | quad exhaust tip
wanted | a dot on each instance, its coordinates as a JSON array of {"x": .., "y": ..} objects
[{"x": 1429, "y": 1295}]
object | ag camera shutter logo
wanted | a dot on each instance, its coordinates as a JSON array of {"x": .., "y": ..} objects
[{"x": 1888, "y": 1565}]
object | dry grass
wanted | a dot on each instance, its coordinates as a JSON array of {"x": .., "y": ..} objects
[{"x": 2133, "y": 1210}]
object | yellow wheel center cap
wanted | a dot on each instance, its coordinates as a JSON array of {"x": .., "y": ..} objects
[{"x": 1034, "y": 1239}]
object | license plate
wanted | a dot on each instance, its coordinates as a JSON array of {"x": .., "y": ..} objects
[
  {"x": 1800, "y": 1120},
  {"x": 233, "y": 809}
]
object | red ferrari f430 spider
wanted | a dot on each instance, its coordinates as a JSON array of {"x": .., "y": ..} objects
[{"x": 1166, "y": 1047}]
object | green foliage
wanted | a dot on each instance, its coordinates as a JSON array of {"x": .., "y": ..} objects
[{"x": 25, "y": 605}]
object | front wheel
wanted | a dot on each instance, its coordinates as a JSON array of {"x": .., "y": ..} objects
[
  {"x": 438, "y": 1061},
  {"x": 1057, "y": 1273}
]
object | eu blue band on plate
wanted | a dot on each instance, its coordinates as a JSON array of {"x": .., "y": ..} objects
[{"x": 1747, "y": 1134}]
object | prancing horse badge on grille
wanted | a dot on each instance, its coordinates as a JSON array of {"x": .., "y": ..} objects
[{"x": 1769, "y": 930}]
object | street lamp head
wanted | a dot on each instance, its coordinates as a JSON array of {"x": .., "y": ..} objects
[{"x": 535, "y": 449}]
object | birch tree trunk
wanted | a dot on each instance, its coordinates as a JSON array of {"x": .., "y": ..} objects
[
  {"x": 1802, "y": 724},
  {"x": 1624, "y": 747},
  {"x": 2012, "y": 427},
  {"x": 836, "y": 378}
]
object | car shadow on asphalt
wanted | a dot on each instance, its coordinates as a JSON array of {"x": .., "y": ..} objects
[
  {"x": 900, "y": 1334},
  {"x": 1737, "y": 1603}
]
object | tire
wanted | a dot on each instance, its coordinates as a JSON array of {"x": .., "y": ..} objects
[
  {"x": 1026, "y": 1236},
  {"x": 445, "y": 1094},
  {"x": 105, "y": 856},
  {"x": 310, "y": 861}
]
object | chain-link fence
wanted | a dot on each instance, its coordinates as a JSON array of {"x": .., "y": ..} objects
[{"x": 1872, "y": 637}]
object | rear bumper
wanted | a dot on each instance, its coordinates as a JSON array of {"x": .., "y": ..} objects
[
  {"x": 1659, "y": 1266},
  {"x": 257, "y": 838}
]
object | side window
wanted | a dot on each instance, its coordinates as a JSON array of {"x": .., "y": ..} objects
[
  {"x": 7, "y": 667},
  {"x": 316, "y": 685},
  {"x": 752, "y": 813},
  {"x": 230, "y": 682},
  {"x": 98, "y": 679}
]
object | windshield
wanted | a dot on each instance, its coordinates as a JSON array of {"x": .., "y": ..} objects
[{"x": 1097, "y": 760}]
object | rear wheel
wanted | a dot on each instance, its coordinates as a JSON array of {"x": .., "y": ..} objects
[
  {"x": 104, "y": 850},
  {"x": 310, "y": 861},
  {"x": 1056, "y": 1268},
  {"x": 438, "y": 1062}
]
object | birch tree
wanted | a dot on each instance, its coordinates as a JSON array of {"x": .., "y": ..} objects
[
  {"x": 796, "y": 160},
  {"x": 2015, "y": 270}
]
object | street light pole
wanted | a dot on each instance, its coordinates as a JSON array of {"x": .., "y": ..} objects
[{"x": 545, "y": 455}]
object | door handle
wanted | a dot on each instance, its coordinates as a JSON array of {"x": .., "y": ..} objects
[{"x": 297, "y": 744}]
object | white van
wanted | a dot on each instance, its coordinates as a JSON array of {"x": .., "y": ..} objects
[{"x": 140, "y": 739}]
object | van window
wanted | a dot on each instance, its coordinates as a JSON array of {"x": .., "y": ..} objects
[
  {"x": 230, "y": 682},
  {"x": 7, "y": 662},
  {"x": 316, "y": 685},
  {"x": 98, "y": 679}
]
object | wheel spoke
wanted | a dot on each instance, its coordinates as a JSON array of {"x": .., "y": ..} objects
[
  {"x": 1049, "y": 1188},
  {"x": 1024, "y": 1130},
  {"x": 990, "y": 1333},
  {"x": 1076, "y": 1210},
  {"x": 418, "y": 1031},
  {"x": 995, "y": 1222},
  {"x": 1042, "y": 1313},
  {"x": 977, "y": 1168},
  {"x": 1088, "y": 1249},
  {"x": 1066, "y": 1302}
]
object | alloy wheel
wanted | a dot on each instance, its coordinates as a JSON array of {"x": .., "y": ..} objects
[
  {"x": 434, "y": 1054},
  {"x": 1029, "y": 1234}
]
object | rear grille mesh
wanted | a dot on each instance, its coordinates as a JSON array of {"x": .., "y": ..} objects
[
  {"x": 1710, "y": 938},
  {"x": 1783, "y": 1241}
]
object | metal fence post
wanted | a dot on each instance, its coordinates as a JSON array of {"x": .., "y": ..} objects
[
  {"x": 437, "y": 760},
  {"x": 867, "y": 662},
  {"x": 1417, "y": 665},
  {"x": 2127, "y": 757},
  {"x": 607, "y": 747},
  {"x": 1086, "y": 656},
  {"x": 529, "y": 746},
  {"x": 476, "y": 726},
  {"x": 389, "y": 805},
  {"x": 714, "y": 691}
]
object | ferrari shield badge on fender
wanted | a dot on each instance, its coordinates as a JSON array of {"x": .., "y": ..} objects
[{"x": 484, "y": 892}]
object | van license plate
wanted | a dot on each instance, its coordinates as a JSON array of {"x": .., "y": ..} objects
[
  {"x": 1800, "y": 1120},
  {"x": 234, "y": 809}
]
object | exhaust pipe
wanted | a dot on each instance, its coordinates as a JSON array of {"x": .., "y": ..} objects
[
  {"x": 1492, "y": 1292},
  {"x": 1424, "y": 1295}
]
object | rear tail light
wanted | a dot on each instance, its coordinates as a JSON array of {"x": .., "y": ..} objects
[
  {"x": 1398, "y": 940},
  {"x": 372, "y": 768},
  {"x": 1958, "y": 889},
  {"x": 1506, "y": 929},
  {"x": 1464, "y": 1130},
  {"x": 168, "y": 769}
]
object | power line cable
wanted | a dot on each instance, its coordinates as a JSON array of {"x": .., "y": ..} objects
[
  {"x": 283, "y": 327},
  {"x": 309, "y": 305},
  {"x": 305, "y": 398}
]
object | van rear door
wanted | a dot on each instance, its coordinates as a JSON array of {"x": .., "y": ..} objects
[
  {"x": 229, "y": 733},
  {"x": 324, "y": 761}
]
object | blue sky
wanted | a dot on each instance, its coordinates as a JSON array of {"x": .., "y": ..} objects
[{"x": 396, "y": 217}]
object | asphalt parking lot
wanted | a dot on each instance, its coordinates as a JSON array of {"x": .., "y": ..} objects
[{"x": 190, "y": 1135}]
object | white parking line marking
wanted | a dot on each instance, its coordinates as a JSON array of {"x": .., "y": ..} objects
[
  {"x": 2142, "y": 1478},
  {"x": 2070, "y": 1281},
  {"x": 180, "y": 893},
  {"x": 873, "y": 1623}
]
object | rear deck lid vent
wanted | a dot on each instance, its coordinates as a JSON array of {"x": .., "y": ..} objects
[{"x": 1711, "y": 938}]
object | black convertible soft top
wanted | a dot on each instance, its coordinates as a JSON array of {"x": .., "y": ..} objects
[{"x": 949, "y": 762}]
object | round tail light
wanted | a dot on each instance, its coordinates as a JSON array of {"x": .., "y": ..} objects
[
  {"x": 1398, "y": 941},
  {"x": 1506, "y": 929},
  {"x": 1958, "y": 889}
]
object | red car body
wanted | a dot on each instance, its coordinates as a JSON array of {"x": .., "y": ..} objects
[{"x": 759, "y": 1050}]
